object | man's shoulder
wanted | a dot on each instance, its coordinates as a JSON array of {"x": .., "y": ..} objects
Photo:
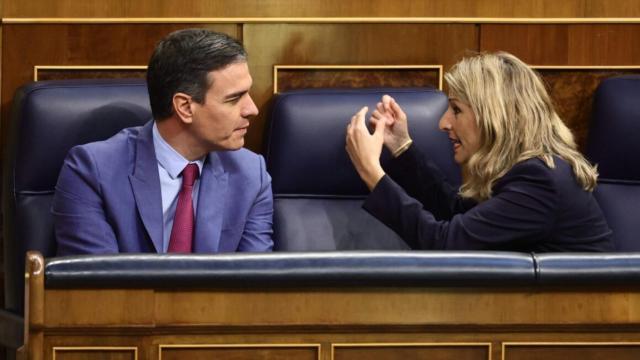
[{"x": 110, "y": 149}]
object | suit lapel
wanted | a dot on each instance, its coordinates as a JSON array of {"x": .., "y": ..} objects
[
  {"x": 211, "y": 198},
  {"x": 145, "y": 183}
]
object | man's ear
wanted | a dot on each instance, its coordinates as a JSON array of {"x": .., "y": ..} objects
[{"x": 182, "y": 107}]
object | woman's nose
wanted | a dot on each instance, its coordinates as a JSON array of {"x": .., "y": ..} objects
[{"x": 445, "y": 120}]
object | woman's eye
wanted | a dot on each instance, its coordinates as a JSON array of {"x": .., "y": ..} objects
[{"x": 456, "y": 110}]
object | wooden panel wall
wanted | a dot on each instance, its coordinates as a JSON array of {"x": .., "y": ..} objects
[
  {"x": 353, "y": 44},
  {"x": 318, "y": 32},
  {"x": 323, "y": 8},
  {"x": 293, "y": 77},
  {"x": 566, "y": 44}
]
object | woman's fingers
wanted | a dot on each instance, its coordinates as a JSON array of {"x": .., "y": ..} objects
[
  {"x": 397, "y": 109},
  {"x": 386, "y": 100},
  {"x": 360, "y": 115},
  {"x": 378, "y": 129},
  {"x": 357, "y": 121}
]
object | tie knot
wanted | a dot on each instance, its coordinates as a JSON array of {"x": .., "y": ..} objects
[{"x": 189, "y": 174}]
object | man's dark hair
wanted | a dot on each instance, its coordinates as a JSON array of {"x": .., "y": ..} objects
[{"x": 181, "y": 62}]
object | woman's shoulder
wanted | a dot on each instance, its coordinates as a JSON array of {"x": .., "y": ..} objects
[
  {"x": 536, "y": 171},
  {"x": 536, "y": 165},
  {"x": 533, "y": 167}
]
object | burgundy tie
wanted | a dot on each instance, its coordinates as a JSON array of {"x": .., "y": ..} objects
[{"x": 182, "y": 231}]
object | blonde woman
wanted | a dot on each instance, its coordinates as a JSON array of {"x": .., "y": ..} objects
[{"x": 526, "y": 187}]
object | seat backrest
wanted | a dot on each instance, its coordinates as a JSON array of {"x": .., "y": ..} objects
[
  {"x": 50, "y": 117},
  {"x": 613, "y": 144},
  {"x": 317, "y": 192}
]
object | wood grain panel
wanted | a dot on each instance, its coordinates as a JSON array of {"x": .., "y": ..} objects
[
  {"x": 87, "y": 342},
  {"x": 346, "y": 44},
  {"x": 33, "y": 45},
  {"x": 569, "y": 45},
  {"x": 567, "y": 351},
  {"x": 604, "y": 44},
  {"x": 379, "y": 337},
  {"x": 387, "y": 328},
  {"x": 535, "y": 8},
  {"x": 239, "y": 353},
  {"x": 400, "y": 352},
  {"x": 572, "y": 92},
  {"x": 608, "y": 8},
  {"x": 115, "y": 307},
  {"x": 419, "y": 306},
  {"x": 534, "y": 44},
  {"x": 290, "y": 79},
  {"x": 76, "y": 73},
  {"x": 586, "y": 44},
  {"x": 94, "y": 354},
  {"x": 319, "y": 8},
  {"x": 372, "y": 339}
]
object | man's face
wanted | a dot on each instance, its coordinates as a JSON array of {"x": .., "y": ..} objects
[{"x": 221, "y": 122}]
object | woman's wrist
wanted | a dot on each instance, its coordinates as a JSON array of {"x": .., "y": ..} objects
[
  {"x": 402, "y": 148},
  {"x": 372, "y": 178}
]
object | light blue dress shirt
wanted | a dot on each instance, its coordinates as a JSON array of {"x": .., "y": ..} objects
[{"x": 170, "y": 165}]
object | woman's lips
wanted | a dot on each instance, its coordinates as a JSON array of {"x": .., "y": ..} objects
[{"x": 456, "y": 143}]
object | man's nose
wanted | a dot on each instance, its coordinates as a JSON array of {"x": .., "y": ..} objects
[{"x": 250, "y": 108}]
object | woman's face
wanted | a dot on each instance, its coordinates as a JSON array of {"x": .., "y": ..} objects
[{"x": 459, "y": 122}]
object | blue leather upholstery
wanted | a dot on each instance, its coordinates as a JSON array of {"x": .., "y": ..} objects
[
  {"x": 311, "y": 269},
  {"x": 50, "y": 117},
  {"x": 353, "y": 268},
  {"x": 613, "y": 144},
  {"x": 588, "y": 269},
  {"x": 317, "y": 192}
]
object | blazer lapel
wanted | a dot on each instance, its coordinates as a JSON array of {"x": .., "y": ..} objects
[
  {"x": 211, "y": 198},
  {"x": 145, "y": 183}
]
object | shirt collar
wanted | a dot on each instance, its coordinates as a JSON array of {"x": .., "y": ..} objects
[{"x": 169, "y": 158}]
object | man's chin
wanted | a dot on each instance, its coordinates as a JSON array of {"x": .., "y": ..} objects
[
  {"x": 231, "y": 143},
  {"x": 240, "y": 144},
  {"x": 236, "y": 145}
]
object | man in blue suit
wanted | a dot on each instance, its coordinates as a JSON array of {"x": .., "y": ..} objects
[{"x": 185, "y": 168}]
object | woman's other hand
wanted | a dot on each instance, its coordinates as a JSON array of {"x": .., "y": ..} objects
[
  {"x": 364, "y": 148},
  {"x": 396, "y": 129}
]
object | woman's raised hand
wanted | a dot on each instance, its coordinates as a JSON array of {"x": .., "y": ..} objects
[
  {"x": 391, "y": 115},
  {"x": 364, "y": 148}
]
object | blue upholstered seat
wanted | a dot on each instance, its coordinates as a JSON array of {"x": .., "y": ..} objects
[
  {"x": 614, "y": 145},
  {"x": 50, "y": 117},
  {"x": 318, "y": 194}
]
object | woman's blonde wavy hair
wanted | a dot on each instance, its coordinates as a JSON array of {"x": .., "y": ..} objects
[{"x": 516, "y": 119}]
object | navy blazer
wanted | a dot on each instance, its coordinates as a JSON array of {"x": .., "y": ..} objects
[
  {"x": 533, "y": 208},
  {"x": 108, "y": 199}
]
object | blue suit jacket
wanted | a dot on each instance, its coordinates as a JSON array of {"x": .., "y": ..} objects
[{"x": 108, "y": 199}]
